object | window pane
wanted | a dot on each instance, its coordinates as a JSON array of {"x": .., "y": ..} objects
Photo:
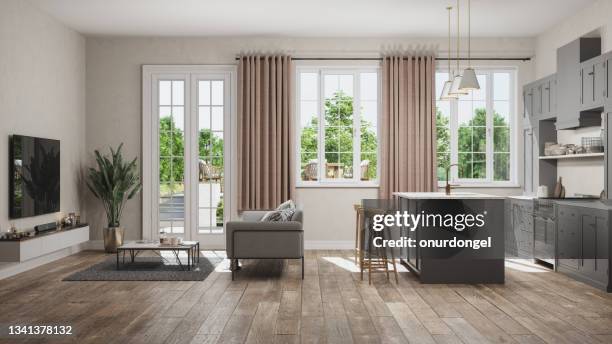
[
  {"x": 165, "y": 92},
  {"x": 178, "y": 92},
  {"x": 217, "y": 93},
  {"x": 465, "y": 139},
  {"x": 501, "y": 139},
  {"x": 204, "y": 117},
  {"x": 308, "y": 113},
  {"x": 479, "y": 139},
  {"x": 501, "y": 113},
  {"x": 331, "y": 83},
  {"x": 501, "y": 86},
  {"x": 309, "y": 86},
  {"x": 345, "y": 139},
  {"x": 465, "y": 165},
  {"x": 346, "y": 84},
  {"x": 165, "y": 118},
  {"x": 479, "y": 113},
  {"x": 501, "y": 166},
  {"x": 369, "y": 86},
  {"x": 178, "y": 170},
  {"x": 164, "y": 170},
  {"x": 443, "y": 162},
  {"x": 368, "y": 166},
  {"x": 204, "y": 92},
  {"x": 217, "y": 118},
  {"x": 369, "y": 112},
  {"x": 178, "y": 118}
]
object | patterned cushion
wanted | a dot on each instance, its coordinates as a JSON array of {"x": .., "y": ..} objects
[
  {"x": 283, "y": 213},
  {"x": 278, "y": 215}
]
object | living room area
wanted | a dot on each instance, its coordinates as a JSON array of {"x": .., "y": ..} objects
[{"x": 258, "y": 172}]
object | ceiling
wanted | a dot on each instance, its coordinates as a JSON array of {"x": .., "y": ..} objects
[{"x": 306, "y": 18}]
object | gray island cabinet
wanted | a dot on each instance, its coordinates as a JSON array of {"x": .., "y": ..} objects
[{"x": 455, "y": 264}]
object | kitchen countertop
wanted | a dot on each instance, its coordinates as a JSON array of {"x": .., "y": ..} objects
[{"x": 442, "y": 195}]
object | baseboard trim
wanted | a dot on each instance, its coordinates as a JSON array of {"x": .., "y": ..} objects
[
  {"x": 10, "y": 269},
  {"x": 329, "y": 244}
]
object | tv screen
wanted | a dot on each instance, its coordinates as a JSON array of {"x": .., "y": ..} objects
[{"x": 34, "y": 176}]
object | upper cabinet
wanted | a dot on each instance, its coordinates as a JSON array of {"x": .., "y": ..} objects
[
  {"x": 539, "y": 99},
  {"x": 606, "y": 65},
  {"x": 593, "y": 81},
  {"x": 575, "y": 85}
]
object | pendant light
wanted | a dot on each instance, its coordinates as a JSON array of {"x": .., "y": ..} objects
[
  {"x": 469, "y": 81},
  {"x": 455, "y": 90},
  {"x": 447, "y": 85}
]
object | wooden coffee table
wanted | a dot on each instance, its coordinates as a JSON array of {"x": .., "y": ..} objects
[{"x": 134, "y": 247}]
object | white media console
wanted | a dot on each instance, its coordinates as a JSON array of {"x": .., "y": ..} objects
[{"x": 42, "y": 244}]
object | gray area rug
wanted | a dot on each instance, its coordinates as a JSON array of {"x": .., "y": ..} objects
[{"x": 146, "y": 269}]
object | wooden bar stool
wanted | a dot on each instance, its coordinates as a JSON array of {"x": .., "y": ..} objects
[{"x": 377, "y": 259}]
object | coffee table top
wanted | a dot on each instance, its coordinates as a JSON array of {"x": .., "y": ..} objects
[{"x": 143, "y": 245}]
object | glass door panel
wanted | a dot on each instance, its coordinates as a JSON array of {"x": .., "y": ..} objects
[
  {"x": 211, "y": 169},
  {"x": 171, "y": 110}
]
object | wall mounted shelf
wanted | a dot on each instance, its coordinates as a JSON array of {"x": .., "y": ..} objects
[{"x": 572, "y": 156}]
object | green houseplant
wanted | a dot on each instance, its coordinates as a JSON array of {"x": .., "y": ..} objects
[{"x": 114, "y": 182}]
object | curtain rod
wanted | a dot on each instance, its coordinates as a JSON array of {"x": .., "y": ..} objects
[{"x": 380, "y": 58}]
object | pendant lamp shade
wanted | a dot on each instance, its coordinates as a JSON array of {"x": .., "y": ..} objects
[
  {"x": 455, "y": 86},
  {"x": 469, "y": 81},
  {"x": 446, "y": 91}
]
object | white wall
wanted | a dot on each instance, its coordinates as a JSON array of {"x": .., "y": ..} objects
[
  {"x": 594, "y": 19},
  {"x": 42, "y": 92},
  {"x": 114, "y": 105}
]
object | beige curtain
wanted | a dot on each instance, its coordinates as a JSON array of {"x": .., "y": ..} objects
[
  {"x": 408, "y": 135},
  {"x": 265, "y": 161}
]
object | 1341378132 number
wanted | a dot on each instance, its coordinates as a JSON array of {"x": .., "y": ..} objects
[{"x": 48, "y": 330}]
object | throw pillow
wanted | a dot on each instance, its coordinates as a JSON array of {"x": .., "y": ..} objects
[{"x": 282, "y": 215}]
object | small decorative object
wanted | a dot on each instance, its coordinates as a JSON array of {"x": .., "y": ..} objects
[
  {"x": 77, "y": 219},
  {"x": 542, "y": 191},
  {"x": 592, "y": 144},
  {"x": 548, "y": 146},
  {"x": 559, "y": 189},
  {"x": 114, "y": 182}
]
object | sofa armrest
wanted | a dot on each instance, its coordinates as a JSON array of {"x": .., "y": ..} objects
[
  {"x": 252, "y": 215},
  {"x": 267, "y": 229}
]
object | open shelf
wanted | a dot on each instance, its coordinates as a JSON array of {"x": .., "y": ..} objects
[{"x": 572, "y": 156}]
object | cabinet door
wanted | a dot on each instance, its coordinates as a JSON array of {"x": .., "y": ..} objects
[
  {"x": 539, "y": 236},
  {"x": 600, "y": 82},
  {"x": 546, "y": 98},
  {"x": 537, "y": 99},
  {"x": 568, "y": 245},
  {"x": 528, "y": 103},
  {"x": 594, "y": 247},
  {"x": 587, "y": 96},
  {"x": 510, "y": 236},
  {"x": 607, "y": 64},
  {"x": 528, "y": 165}
]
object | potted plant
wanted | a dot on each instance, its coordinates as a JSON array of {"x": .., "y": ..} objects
[{"x": 114, "y": 182}]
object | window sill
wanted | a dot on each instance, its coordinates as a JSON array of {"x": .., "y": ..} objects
[
  {"x": 480, "y": 185},
  {"x": 337, "y": 186}
]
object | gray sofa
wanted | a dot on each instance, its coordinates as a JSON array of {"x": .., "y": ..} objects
[{"x": 251, "y": 238}]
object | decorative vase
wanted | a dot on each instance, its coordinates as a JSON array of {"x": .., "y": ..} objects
[
  {"x": 113, "y": 238},
  {"x": 558, "y": 189}
]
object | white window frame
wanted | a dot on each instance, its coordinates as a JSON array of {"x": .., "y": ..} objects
[
  {"x": 150, "y": 156},
  {"x": 454, "y": 129},
  {"x": 335, "y": 69}
]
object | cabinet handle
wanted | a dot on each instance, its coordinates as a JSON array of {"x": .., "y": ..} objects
[{"x": 591, "y": 73}]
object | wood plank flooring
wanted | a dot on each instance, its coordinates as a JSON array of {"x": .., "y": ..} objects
[{"x": 269, "y": 303}]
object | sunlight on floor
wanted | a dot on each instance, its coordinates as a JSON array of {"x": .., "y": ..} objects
[
  {"x": 348, "y": 264},
  {"x": 524, "y": 265}
]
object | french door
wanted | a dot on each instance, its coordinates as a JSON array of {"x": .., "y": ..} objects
[{"x": 187, "y": 149}]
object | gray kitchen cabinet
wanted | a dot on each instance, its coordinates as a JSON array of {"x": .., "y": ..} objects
[
  {"x": 569, "y": 82},
  {"x": 528, "y": 161},
  {"x": 607, "y": 143},
  {"x": 510, "y": 235},
  {"x": 583, "y": 244},
  {"x": 592, "y": 74},
  {"x": 606, "y": 64},
  {"x": 537, "y": 99},
  {"x": 522, "y": 223},
  {"x": 527, "y": 104},
  {"x": 544, "y": 230},
  {"x": 568, "y": 235}
]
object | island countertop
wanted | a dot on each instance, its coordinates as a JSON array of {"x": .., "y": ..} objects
[{"x": 442, "y": 195}]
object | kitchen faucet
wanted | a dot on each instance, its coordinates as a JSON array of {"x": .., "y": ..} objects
[{"x": 448, "y": 186}]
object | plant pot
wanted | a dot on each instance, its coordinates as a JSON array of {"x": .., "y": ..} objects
[{"x": 113, "y": 238}]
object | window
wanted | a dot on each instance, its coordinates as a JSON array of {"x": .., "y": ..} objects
[
  {"x": 475, "y": 131},
  {"x": 338, "y": 133}
]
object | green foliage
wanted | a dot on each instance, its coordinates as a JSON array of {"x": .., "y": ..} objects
[
  {"x": 219, "y": 212},
  {"x": 472, "y": 146},
  {"x": 172, "y": 144},
  {"x": 114, "y": 182},
  {"x": 339, "y": 136}
]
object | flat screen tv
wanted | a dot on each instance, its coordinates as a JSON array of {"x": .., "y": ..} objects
[{"x": 34, "y": 176}]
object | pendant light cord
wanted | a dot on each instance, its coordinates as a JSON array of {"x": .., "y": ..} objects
[
  {"x": 470, "y": 33},
  {"x": 458, "y": 36},
  {"x": 449, "y": 8}
]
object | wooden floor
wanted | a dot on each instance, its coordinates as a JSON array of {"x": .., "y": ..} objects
[{"x": 269, "y": 303}]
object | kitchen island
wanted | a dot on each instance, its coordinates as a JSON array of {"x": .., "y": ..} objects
[{"x": 443, "y": 249}]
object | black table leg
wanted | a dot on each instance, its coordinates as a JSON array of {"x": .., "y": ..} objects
[{"x": 117, "y": 259}]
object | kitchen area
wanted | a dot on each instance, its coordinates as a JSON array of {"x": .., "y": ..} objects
[{"x": 563, "y": 218}]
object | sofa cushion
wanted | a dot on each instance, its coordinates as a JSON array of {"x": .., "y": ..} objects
[{"x": 279, "y": 215}]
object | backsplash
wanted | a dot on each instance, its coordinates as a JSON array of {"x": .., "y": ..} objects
[{"x": 585, "y": 176}]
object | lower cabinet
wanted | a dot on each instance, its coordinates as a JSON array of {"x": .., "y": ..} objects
[
  {"x": 583, "y": 244},
  {"x": 519, "y": 228},
  {"x": 544, "y": 233}
]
